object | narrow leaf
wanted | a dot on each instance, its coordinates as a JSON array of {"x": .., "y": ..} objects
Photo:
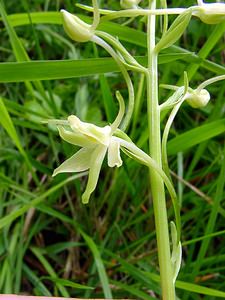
[
  {"x": 56, "y": 69},
  {"x": 48, "y": 267},
  {"x": 195, "y": 136},
  {"x": 191, "y": 287},
  {"x": 7, "y": 123},
  {"x": 69, "y": 283},
  {"x": 99, "y": 265},
  {"x": 175, "y": 31},
  {"x": 8, "y": 219}
]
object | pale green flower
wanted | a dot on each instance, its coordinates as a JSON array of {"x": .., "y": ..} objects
[
  {"x": 95, "y": 143},
  {"x": 210, "y": 13}
]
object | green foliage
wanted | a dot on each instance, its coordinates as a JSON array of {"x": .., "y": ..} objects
[{"x": 50, "y": 244}]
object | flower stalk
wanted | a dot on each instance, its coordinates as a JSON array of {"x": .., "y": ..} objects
[{"x": 157, "y": 184}]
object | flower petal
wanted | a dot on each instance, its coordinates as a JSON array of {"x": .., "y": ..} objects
[
  {"x": 74, "y": 138},
  {"x": 79, "y": 162},
  {"x": 114, "y": 159},
  {"x": 95, "y": 133},
  {"x": 97, "y": 158},
  {"x": 121, "y": 112}
]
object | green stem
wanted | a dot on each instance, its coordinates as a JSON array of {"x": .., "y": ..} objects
[
  {"x": 126, "y": 76},
  {"x": 147, "y": 160},
  {"x": 210, "y": 81},
  {"x": 157, "y": 186},
  {"x": 165, "y": 137},
  {"x": 118, "y": 46},
  {"x": 142, "y": 12}
]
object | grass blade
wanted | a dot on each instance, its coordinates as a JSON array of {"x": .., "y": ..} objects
[
  {"x": 99, "y": 264},
  {"x": 195, "y": 136},
  {"x": 8, "y": 219}
]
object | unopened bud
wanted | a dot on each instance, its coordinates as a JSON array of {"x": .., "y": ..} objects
[
  {"x": 75, "y": 28},
  {"x": 210, "y": 13},
  {"x": 129, "y": 3},
  {"x": 198, "y": 98}
]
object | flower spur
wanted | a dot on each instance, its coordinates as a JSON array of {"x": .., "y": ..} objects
[{"x": 95, "y": 142}]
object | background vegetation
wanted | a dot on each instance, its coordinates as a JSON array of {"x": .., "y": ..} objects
[{"x": 50, "y": 243}]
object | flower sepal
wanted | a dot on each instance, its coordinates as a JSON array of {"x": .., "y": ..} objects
[{"x": 75, "y": 28}]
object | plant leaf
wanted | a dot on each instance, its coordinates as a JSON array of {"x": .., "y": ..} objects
[
  {"x": 195, "y": 136},
  {"x": 69, "y": 283},
  {"x": 175, "y": 31}
]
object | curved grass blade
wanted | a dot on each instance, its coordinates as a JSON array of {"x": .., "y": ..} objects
[
  {"x": 69, "y": 283},
  {"x": 8, "y": 219},
  {"x": 7, "y": 123},
  {"x": 195, "y": 136},
  {"x": 99, "y": 264},
  {"x": 39, "y": 255},
  {"x": 191, "y": 287}
]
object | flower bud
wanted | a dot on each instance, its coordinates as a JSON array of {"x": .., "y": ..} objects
[
  {"x": 211, "y": 13},
  {"x": 75, "y": 28},
  {"x": 198, "y": 98},
  {"x": 129, "y": 3}
]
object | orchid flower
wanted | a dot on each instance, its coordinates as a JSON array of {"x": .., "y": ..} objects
[{"x": 95, "y": 143}]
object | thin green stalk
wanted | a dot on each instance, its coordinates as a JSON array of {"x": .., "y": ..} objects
[
  {"x": 165, "y": 137},
  {"x": 149, "y": 162},
  {"x": 142, "y": 12},
  {"x": 210, "y": 81},
  {"x": 132, "y": 150},
  {"x": 126, "y": 76},
  {"x": 157, "y": 185}
]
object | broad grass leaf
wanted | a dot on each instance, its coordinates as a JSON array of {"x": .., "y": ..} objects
[{"x": 195, "y": 136}]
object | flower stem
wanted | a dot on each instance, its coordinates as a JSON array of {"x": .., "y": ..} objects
[
  {"x": 166, "y": 134},
  {"x": 210, "y": 81},
  {"x": 157, "y": 185},
  {"x": 145, "y": 159},
  {"x": 142, "y": 12},
  {"x": 126, "y": 76}
]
